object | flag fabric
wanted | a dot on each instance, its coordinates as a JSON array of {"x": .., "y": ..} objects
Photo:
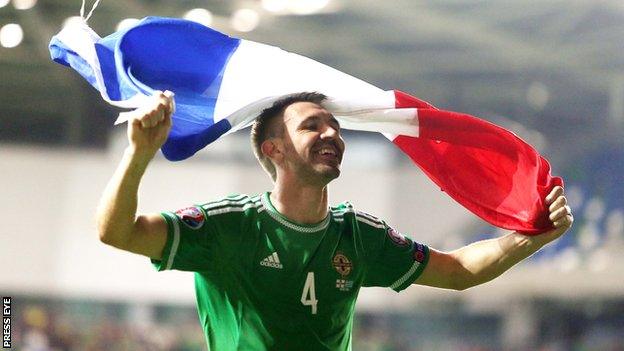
[{"x": 222, "y": 83}]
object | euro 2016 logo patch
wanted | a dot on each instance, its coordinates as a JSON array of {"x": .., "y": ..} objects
[
  {"x": 193, "y": 217},
  {"x": 397, "y": 237}
]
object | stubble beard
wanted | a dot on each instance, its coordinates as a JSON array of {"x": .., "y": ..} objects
[
  {"x": 311, "y": 170},
  {"x": 317, "y": 173},
  {"x": 325, "y": 172}
]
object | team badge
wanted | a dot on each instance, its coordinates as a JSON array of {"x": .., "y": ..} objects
[
  {"x": 342, "y": 264},
  {"x": 419, "y": 253},
  {"x": 397, "y": 237},
  {"x": 191, "y": 216}
]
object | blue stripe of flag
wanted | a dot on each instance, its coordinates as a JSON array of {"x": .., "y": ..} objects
[{"x": 164, "y": 54}]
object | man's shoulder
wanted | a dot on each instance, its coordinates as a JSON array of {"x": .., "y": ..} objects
[
  {"x": 347, "y": 211},
  {"x": 235, "y": 203},
  {"x": 342, "y": 208}
]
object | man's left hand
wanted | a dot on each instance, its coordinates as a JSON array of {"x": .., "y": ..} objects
[{"x": 560, "y": 214}]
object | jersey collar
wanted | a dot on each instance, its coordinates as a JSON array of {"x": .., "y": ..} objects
[{"x": 300, "y": 227}]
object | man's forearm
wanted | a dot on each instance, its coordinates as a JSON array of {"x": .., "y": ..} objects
[
  {"x": 485, "y": 260},
  {"x": 117, "y": 209}
]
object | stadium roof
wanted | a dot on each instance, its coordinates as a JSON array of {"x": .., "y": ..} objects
[{"x": 554, "y": 65}]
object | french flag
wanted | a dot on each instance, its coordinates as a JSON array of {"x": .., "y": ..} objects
[{"x": 222, "y": 83}]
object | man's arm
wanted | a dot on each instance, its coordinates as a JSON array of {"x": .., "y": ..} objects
[
  {"x": 117, "y": 222},
  {"x": 485, "y": 260}
]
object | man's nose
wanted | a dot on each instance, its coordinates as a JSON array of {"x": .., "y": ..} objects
[{"x": 330, "y": 132}]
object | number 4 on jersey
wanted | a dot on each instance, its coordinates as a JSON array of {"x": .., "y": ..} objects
[{"x": 308, "y": 291}]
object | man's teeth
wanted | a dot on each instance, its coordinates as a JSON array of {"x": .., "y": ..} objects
[{"x": 327, "y": 152}]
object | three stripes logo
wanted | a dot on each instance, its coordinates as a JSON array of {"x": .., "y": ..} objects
[{"x": 272, "y": 261}]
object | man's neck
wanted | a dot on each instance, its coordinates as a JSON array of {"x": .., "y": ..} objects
[{"x": 306, "y": 204}]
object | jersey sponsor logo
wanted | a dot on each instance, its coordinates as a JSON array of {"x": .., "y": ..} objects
[
  {"x": 419, "y": 253},
  {"x": 397, "y": 237},
  {"x": 191, "y": 216},
  {"x": 272, "y": 261},
  {"x": 342, "y": 264}
]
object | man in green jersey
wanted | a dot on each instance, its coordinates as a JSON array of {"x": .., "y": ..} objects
[{"x": 282, "y": 270}]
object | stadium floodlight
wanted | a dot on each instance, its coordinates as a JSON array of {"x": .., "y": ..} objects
[
  {"x": 275, "y": 5},
  {"x": 24, "y": 4},
  {"x": 126, "y": 23},
  {"x": 245, "y": 20},
  {"x": 3, "y": 3},
  {"x": 537, "y": 95},
  {"x": 307, "y": 7},
  {"x": 11, "y": 35},
  {"x": 201, "y": 16},
  {"x": 615, "y": 223}
]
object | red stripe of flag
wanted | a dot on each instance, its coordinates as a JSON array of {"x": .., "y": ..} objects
[{"x": 486, "y": 168}]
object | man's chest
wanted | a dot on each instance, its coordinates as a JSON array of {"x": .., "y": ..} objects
[{"x": 304, "y": 272}]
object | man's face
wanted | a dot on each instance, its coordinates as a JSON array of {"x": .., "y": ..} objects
[{"x": 313, "y": 146}]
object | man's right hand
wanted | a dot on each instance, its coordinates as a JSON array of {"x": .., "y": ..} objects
[{"x": 149, "y": 129}]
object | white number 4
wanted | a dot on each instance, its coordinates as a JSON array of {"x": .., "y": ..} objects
[{"x": 308, "y": 290}]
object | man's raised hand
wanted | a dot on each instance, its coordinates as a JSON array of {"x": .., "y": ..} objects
[
  {"x": 150, "y": 125},
  {"x": 117, "y": 220},
  {"x": 560, "y": 213}
]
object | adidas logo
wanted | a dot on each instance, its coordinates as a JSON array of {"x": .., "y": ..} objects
[{"x": 272, "y": 261}]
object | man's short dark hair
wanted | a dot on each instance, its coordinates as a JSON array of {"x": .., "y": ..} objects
[{"x": 263, "y": 128}]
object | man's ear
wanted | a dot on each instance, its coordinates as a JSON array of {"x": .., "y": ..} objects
[{"x": 271, "y": 149}]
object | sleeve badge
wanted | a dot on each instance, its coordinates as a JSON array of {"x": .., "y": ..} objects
[
  {"x": 419, "y": 253},
  {"x": 192, "y": 216},
  {"x": 397, "y": 237}
]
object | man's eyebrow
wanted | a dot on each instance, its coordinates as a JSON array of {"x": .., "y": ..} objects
[{"x": 317, "y": 117}]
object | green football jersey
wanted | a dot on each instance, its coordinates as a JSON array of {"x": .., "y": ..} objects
[{"x": 264, "y": 282}]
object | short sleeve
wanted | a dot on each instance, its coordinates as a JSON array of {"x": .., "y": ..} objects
[
  {"x": 395, "y": 261},
  {"x": 204, "y": 237},
  {"x": 188, "y": 241}
]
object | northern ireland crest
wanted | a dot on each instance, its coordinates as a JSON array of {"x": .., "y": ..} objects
[{"x": 342, "y": 264}]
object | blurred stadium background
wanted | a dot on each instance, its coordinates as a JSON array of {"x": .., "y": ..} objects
[{"x": 552, "y": 71}]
